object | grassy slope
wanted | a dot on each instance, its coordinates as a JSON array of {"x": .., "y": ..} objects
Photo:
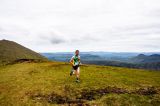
[
  {"x": 19, "y": 82},
  {"x": 11, "y": 51}
]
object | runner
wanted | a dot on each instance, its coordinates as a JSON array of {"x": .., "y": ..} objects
[{"x": 75, "y": 62}]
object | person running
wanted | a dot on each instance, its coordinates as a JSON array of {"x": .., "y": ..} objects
[{"x": 75, "y": 62}]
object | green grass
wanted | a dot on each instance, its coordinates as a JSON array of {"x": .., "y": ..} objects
[{"x": 31, "y": 83}]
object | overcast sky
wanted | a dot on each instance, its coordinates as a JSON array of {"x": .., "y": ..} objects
[{"x": 87, "y": 25}]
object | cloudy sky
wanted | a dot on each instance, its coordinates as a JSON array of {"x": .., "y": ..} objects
[{"x": 87, "y": 25}]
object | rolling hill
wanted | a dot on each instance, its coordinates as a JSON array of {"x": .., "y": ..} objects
[
  {"x": 141, "y": 58},
  {"x": 12, "y": 52}
]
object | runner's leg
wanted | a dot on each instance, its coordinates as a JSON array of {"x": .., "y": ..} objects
[{"x": 77, "y": 73}]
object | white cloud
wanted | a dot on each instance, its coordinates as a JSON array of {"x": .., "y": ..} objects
[{"x": 88, "y": 25}]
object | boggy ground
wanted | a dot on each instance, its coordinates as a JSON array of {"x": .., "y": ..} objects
[{"x": 89, "y": 95}]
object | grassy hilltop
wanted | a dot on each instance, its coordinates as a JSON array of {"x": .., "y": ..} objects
[{"x": 43, "y": 84}]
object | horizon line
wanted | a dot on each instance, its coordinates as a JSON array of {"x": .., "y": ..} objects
[{"x": 99, "y": 51}]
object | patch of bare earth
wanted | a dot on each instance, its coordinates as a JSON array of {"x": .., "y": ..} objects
[{"x": 89, "y": 95}]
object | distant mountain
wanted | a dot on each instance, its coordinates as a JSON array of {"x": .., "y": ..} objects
[
  {"x": 67, "y": 56},
  {"x": 151, "y": 62},
  {"x": 12, "y": 52},
  {"x": 141, "y": 58},
  {"x": 150, "y": 66},
  {"x": 131, "y": 60}
]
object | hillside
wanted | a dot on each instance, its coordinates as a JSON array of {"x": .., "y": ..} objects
[
  {"x": 11, "y": 52},
  {"x": 49, "y": 84}
]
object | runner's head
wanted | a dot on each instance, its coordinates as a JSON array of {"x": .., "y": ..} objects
[{"x": 77, "y": 52}]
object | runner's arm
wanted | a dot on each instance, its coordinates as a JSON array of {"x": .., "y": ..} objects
[
  {"x": 79, "y": 59},
  {"x": 72, "y": 61}
]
